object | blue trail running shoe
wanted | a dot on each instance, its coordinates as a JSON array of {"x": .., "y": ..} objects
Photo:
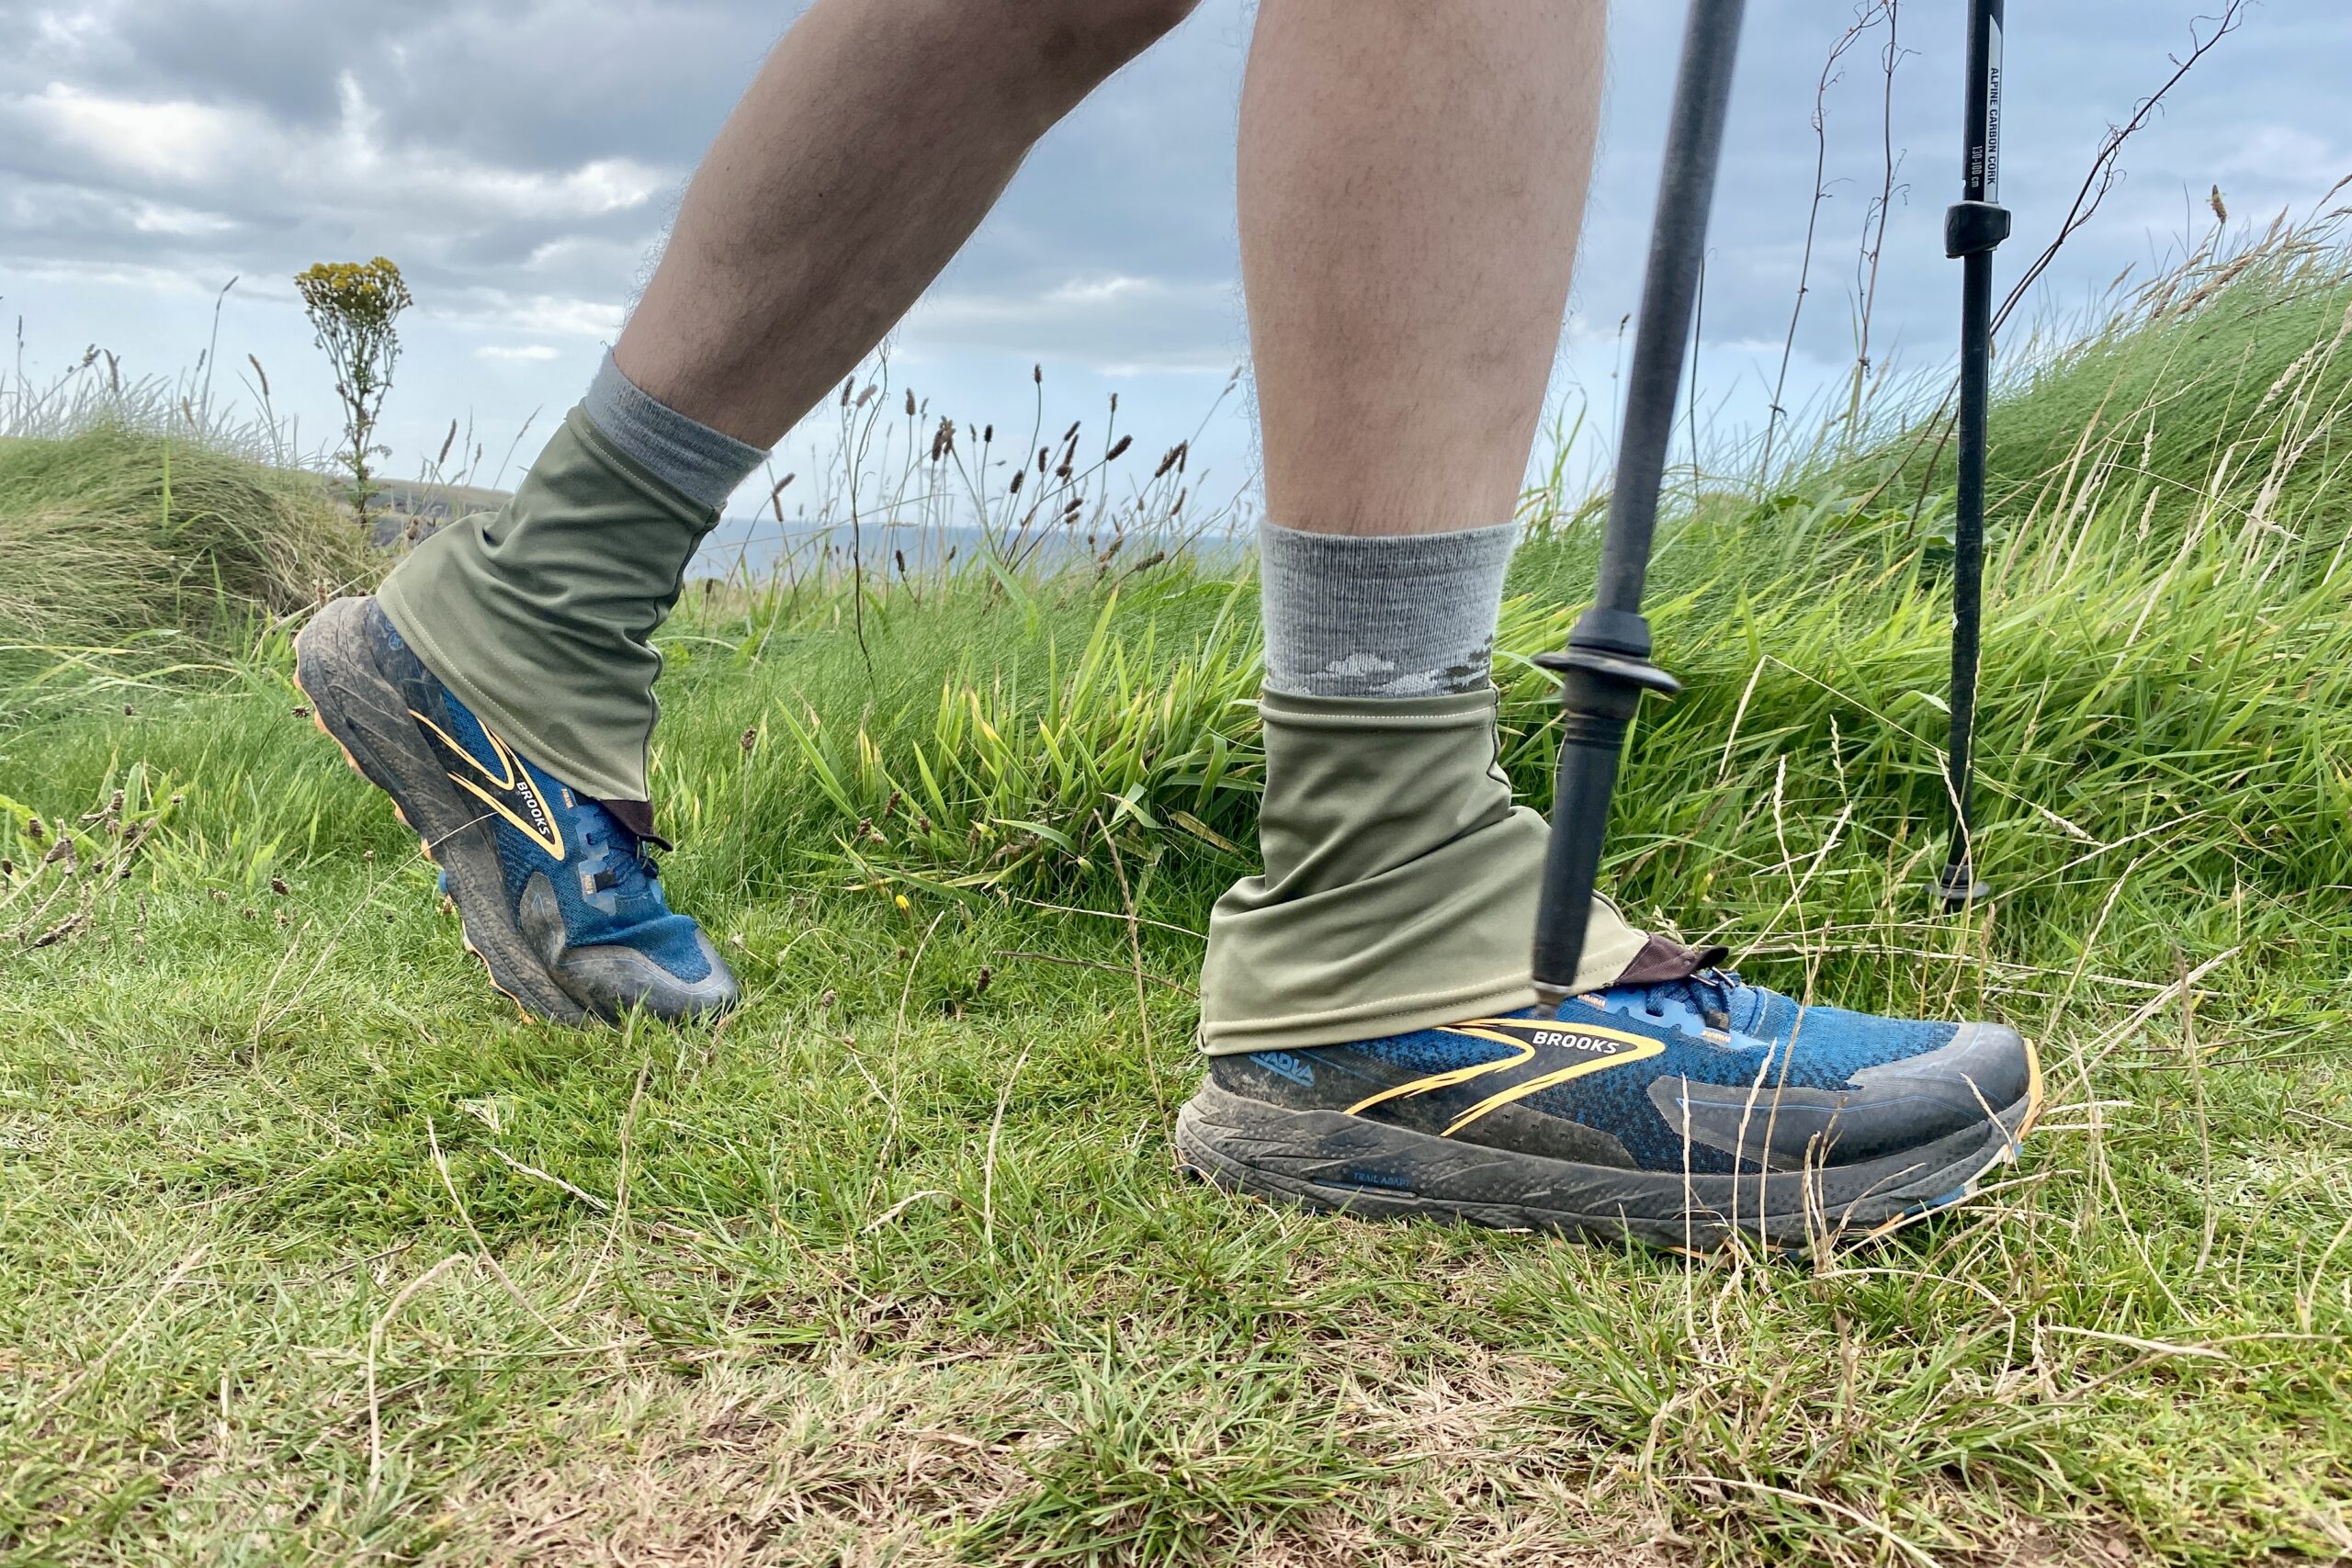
[
  {"x": 1676, "y": 1114},
  {"x": 557, "y": 898}
]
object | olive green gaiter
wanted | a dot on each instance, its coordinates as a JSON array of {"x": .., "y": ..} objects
[
  {"x": 1400, "y": 881},
  {"x": 539, "y": 616}
]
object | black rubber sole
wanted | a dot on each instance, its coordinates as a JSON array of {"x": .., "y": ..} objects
[
  {"x": 1330, "y": 1161},
  {"x": 359, "y": 708}
]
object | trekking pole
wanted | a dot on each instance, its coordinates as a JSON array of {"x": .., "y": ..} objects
[
  {"x": 1973, "y": 229},
  {"x": 1606, "y": 666}
]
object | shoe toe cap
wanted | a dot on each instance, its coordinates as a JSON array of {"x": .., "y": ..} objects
[
  {"x": 615, "y": 980},
  {"x": 1994, "y": 1060},
  {"x": 1984, "y": 1070}
]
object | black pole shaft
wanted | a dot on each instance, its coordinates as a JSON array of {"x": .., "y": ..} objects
[
  {"x": 1971, "y": 231},
  {"x": 1967, "y": 571},
  {"x": 1606, "y": 665},
  {"x": 1981, "y": 174},
  {"x": 1670, "y": 297}
]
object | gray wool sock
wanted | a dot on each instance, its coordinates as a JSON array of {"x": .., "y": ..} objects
[
  {"x": 702, "y": 464},
  {"x": 1411, "y": 615}
]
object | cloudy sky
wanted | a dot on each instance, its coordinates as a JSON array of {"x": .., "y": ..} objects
[{"x": 519, "y": 159}]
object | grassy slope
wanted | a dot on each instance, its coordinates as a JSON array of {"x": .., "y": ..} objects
[
  {"x": 309, "y": 1249},
  {"x": 121, "y": 550}
]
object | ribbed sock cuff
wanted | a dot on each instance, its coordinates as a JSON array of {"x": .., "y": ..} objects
[
  {"x": 1410, "y": 615},
  {"x": 702, "y": 464}
]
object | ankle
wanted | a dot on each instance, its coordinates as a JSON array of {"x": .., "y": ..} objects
[{"x": 702, "y": 464}]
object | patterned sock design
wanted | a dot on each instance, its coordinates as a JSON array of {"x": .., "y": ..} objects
[{"x": 1404, "y": 616}]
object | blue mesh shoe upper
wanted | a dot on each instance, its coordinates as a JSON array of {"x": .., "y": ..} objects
[
  {"x": 605, "y": 887},
  {"x": 1707, "y": 1074},
  {"x": 1822, "y": 1047}
]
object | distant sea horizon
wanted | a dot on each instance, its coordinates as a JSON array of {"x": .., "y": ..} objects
[{"x": 761, "y": 546}]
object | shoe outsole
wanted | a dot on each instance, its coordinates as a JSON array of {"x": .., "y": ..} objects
[
  {"x": 1329, "y": 1162},
  {"x": 354, "y": 706}
]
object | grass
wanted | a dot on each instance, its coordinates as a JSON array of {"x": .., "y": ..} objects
[
  {"x": 310, "y": 1250},
  {"x": 138, "y": 553}
]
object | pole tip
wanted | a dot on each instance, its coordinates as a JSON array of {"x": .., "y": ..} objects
[{"x": 1958, "y": 886}]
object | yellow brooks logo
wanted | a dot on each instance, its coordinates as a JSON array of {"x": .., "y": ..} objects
[
  {"x": 508, "y": 791},
  {"x": 1598, "y": 1048}
]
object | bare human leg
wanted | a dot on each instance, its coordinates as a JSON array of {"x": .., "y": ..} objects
[
  {"x": 1412, "y": 182},
  {"x": 870, "y": 146}
]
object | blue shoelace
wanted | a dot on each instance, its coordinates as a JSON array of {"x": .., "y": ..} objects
[
  {"x": 627, "y": 871},
  {"x": 1708, "y": 995}
]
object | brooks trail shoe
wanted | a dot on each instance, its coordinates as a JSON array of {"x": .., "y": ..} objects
[
  {"x": 559, "y": 899},
  {"x": 1675, "y": 1115}
]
